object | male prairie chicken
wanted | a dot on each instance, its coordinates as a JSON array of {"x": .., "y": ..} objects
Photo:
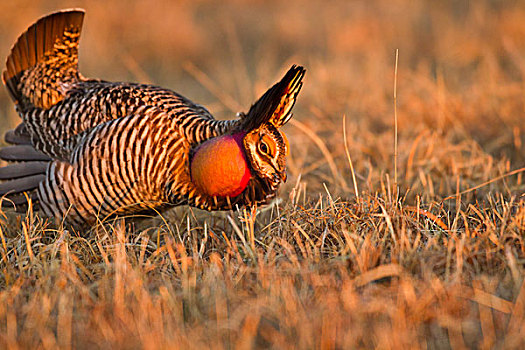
[{"x": 87, "y": 148}]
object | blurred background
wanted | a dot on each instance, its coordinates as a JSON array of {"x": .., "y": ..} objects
[{"x": 460, "y": 78}]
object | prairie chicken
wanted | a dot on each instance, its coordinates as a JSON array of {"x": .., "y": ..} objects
[{"x": 88, "y": 149}]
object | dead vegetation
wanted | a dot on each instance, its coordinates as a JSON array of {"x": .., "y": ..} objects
[{"x": 436, "y": 262}]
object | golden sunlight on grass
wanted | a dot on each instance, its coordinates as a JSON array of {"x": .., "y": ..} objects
[{"x": 436, "y": 263}]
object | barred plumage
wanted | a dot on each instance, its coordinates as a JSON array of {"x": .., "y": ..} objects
[{"x": 90, "y": 148}]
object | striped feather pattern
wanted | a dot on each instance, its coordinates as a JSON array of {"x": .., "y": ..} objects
[
  {"x": 94, "y": 102},
  {"x": 89, "y": 149},
  {"x": 120, "y": 166},
  {"x": 130, "y": 164}
]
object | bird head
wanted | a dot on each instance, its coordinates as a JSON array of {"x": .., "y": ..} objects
[
  {"x": 265, "y": 145},
  {"x": 224, "y": 165},
  {"x": 266, "y": 149}
]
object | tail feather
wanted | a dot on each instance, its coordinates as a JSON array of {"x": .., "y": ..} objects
[
  {"x": 23, "y": 169},
  {"x": 23, "y": 184},
  {"x": 16, "y": 139},
  {"x": 18, "y": 136},
  {"x": 43, "y": 58},
  {"x": 26, "y": 174},
  {"x": 22, "y": 153},
  {"x": 20, "y": 201}
]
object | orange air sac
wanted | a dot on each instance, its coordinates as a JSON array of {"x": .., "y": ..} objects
[{"x": 219, "y": 167}]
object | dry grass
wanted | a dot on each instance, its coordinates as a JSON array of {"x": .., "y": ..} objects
[{"x": 436, "y": 266}]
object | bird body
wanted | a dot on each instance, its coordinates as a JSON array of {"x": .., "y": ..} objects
[{"x": 87, "y": 149}]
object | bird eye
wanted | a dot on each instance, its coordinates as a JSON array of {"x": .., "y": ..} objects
[{"x": 263, "y": 147}]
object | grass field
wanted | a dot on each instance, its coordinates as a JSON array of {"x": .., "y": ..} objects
[{"x": 428, "y": 254}]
